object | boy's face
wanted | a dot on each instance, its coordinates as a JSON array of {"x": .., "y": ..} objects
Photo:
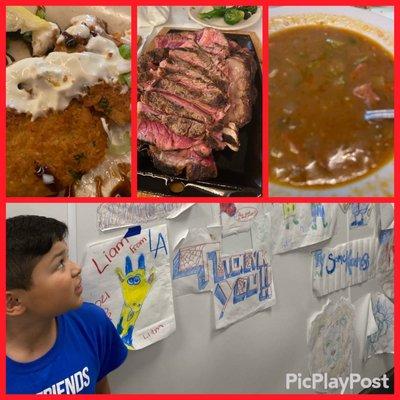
[{"x": 56, "y": 284}]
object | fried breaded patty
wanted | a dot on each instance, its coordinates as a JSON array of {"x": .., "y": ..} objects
[
  {"x": 65, "y": 144},
  {"x": 109, "y": 101}
]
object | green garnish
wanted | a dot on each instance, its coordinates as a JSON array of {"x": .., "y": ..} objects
[
  {"x": 41, "y": 12},
  {"x": 125, "y": 51},
  {"x": 231, "y": 15},
  {"x": 104, "y": 105},
  {"x": 217, "y": 12},
  {"x": 125, "y": 79}
]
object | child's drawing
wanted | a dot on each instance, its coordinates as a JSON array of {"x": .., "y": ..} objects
[
  {"x": 318, "y": 212},
  {"x": 243, "y": 286},
  {"x": 135, "y": 287},
  {"x": 344, "y": 265},
  {"x": 300, "y": 224},
  {"x": 193, "y": 260},
  {"x": 330, "y": 340},
  {"x": 360, "y": 214},
  {"x": 129, "y": 277},
  {"x": 382, "y": 340},
  {"x": 289, "y": 214},
  {"x": 385, "y": 262}
]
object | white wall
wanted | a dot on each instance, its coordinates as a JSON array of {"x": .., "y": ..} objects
[{"x": 251, "y": 356}]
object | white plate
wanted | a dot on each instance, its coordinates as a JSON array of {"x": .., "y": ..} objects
[
  {"x": 219, "y": 22},
  {"x": 380, "y": 29}
]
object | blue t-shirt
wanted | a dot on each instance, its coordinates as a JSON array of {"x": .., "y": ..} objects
[{"x": 87, "y": 348}]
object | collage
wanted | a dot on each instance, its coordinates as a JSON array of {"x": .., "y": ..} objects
[{"x": 199, "y": 200}]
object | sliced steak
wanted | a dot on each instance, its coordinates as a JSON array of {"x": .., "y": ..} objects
[
  {"x": 178, "y": 66},
  {"x": 148, "y": 65},
  {"x": 174, "y": 40},
  {"x": 201, "y": 59},
  {"x": 213, "y": 41},
  {"x": 159, "y": 135},
  {"x": 239, "y": 92},
  {"x": 215, "y": 106},
  {"x": 177, "y": 162},
  {"x": 195, "y": 91},
  {"x": 169, "y": 104}
]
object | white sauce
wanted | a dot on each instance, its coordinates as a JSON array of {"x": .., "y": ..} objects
[
  {"x": 44, "y": 39},
  {"x": 51, "y": 82},
  {"x": 79, "y": 30},
  {"x": 90, "y": 21}
]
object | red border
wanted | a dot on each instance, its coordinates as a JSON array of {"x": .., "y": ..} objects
[{"x": 191, "y": 199}]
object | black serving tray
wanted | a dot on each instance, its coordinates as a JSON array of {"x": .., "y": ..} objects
[{"x": 239, "y": 174}]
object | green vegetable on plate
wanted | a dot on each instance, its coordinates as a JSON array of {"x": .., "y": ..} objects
[{"x": 233, "y": 16}]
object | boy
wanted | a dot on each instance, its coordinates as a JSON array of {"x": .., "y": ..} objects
[{"x": 55, "y": 342}]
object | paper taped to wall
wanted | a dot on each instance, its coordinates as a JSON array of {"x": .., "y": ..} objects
[
  {"x": 385, "y": 262},
  {"x": 330, "y": 340},
  {"x": 238, "y": 217},
  {"x": 381, "y": 341},
  {"x": 193, "y": 260},
  {"x": 121, "y": 215},
  {"x": 299, "y": 225},
  {"x": 344, "y": 265},
  {"x": 129, "y": 277}
]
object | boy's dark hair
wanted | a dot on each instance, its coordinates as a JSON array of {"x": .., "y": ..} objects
[{"x": 29, "y": 237}]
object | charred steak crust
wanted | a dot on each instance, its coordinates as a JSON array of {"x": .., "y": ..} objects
[{"x": 195, "y": 91}]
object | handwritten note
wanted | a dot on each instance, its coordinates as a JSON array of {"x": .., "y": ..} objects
[
  {"x": 344, "y": 265},
  {"x": 238, "y": 217}
]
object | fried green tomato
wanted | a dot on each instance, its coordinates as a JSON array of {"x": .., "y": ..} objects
[
  {"x": 109, "y": 101},
  {"x": 51, "y": 153}
]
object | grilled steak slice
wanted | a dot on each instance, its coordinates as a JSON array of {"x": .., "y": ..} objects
[
  {"x": 175, "y": 40},
  {"x": 178, "y": 66},
  {"x": 177, "y": 161},
  {"x": 201, "y": 59},
  {"x": 148, "y": 65},
  {"x": 213, "y": 42},
  {"x": 178, "y": 125},
  {"x": 201, "y": 88},
  {"x": 170, "y": 104},
  {"x": 240, "y": 91},
  {"x": 215, "y": 106},
  {"x": 157, "y": 134}
]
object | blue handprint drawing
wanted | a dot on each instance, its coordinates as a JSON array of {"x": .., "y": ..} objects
[{"x": 135, "y": 288}]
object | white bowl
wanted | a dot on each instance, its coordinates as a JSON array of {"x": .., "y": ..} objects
[{"x": 381, "y": 30}]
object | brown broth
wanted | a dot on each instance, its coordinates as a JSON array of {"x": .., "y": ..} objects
[{"x": 317, "y": 133}]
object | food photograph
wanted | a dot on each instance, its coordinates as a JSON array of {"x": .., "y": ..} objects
[
  {"x": 68, "y": 79},
  {"x": 199, "y": 101},
  {"x": 331, "y": 107}
]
